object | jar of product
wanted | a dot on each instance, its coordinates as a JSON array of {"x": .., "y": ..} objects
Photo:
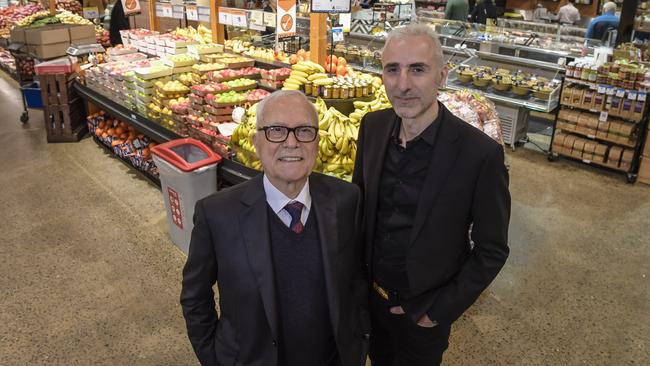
[
  {"x": 602, "y": 78},
  {"x": 593, "y": 74},
  {"x": 614, "y": 68},
  {"x": 327, "y": 92},
  {"x": 344, "y": 92},
  {"x": 569, "y": 69},
  {"x": 585, "y": 72},
  {"x": 336, "y": 92},
  {"x": 359, "y": 91},
  {"x": 315, "y": 90},
  {"x": 308, "y": 89},
  {"x": 366, "y": 89},
  {"x": 577, "y": 71}
]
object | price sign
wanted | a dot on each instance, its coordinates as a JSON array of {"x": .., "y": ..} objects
[
  {"x": 337, "y": 34},
  {"x": 601, "y": 89},
  {"x": 561, "y": 61},
  {"x": 192, "y": 12},
  {"x": 91, "y": 12},
  {"x": 239, "y": 18},
  {"x": 631, "y": 95},
  {"x": 641, "y": 97},
  {"x": 620, "y": 93},
  {"x": 224, "y": 16},
  {"x": 167, "y": 11},
  {"x": 179, "y": 12},
  {"x": 269, "y": 19},
  {"x": 256, "y": 17}
]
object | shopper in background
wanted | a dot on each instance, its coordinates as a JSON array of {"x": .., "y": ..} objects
[
  {"x": 286, "y": 255},
  {"x": 568, "y": 14},
  {"x": 607, "y": 21},
  {"x": 119, "y": 22},
  {"x": 457, "y": 10},
  {"x": 428, "y": 180},
  {"x": 541, "y": 13},
  {"x": 483, "y": 11}
]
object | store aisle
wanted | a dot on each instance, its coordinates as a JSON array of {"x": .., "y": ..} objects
[{"x": 88, "y": 275}]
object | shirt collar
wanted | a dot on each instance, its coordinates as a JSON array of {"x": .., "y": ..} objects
[
  {"x": 428, "y": 135},
  {"x": 277, "y": 200}
]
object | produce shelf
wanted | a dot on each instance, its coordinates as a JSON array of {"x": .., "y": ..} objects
[
  {"x": 595, "y": 138},
  {"x": 597, "y": 111},
  {"x": 590, "y": 162},
  {"x": 229, "y": 172}
]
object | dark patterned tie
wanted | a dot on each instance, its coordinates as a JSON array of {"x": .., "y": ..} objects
[{"x": 295, "y": 210}]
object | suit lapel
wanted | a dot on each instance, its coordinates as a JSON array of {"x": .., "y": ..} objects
[
  {"x": 324, "y": 205},
  {"x": 445, "y": 153},
  {"x": 375, "y": 150},
  {"x": 254, "y": 225}
]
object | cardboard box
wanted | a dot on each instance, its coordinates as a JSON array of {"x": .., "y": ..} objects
[
  {"x": 81, "y": 32},
  {"x": 48, "y": 51},
  {"x": 90, "y": 40},
  {"x": 47, "y": 35},
  {"x": 17, "y": 35}
]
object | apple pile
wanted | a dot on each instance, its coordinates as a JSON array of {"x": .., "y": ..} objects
[
  {"x": 13, "y": 14},
  {"x": 25, "y": 66},
  {"x": 73, "y": 6},
  {"x": 201, "y": 68},
  {"x": 256, "y": 95},
  {"x": 240, "y": 83},
  {"x": 211, "y": 88},
  {"x": 231, "y": 97},
  {"x": 276, "y": 74},
  {"x": 337, "y": 65},
  {"x": 301, "y": 55},
  {"x": 103, "y": 37}
]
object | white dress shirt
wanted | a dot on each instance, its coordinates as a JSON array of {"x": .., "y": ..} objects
[{"x": 277, "y": 200}]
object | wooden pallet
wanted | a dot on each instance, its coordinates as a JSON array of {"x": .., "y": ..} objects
[
  {"x": 65, "y": 122},
  {"x": 56, "y": 89}
]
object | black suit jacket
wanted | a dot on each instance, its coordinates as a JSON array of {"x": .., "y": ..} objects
[
  {"x": 466, "y": 187},
  {"x": 231, "y": 246}
]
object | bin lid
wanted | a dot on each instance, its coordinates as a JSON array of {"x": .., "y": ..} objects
[{"x": 186, "y": 154}]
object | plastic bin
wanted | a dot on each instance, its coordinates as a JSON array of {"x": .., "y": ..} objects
[
  {"x": 188, "y": 172},
  {"x": 32, "y": 93}
]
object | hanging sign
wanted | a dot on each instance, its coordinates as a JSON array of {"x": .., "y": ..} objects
[
  {"x": 330, "y": 6},
  {"x": 337, "y": 34},
  {"x": 192, "y": 12},
  {"x": 286, "y": 18},
  {"x": 131, "y": 6},
  {"x": 238, "y": 17},
  {"x": 167, "y": 10},
  {"x": 346, "y": 20},
  {"x": 269, "y": 19},
  {"x": 224, "y": 16}
]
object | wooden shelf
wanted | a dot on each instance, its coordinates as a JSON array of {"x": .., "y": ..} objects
[
  {"x": 597, "y": 111},
  {"x": 631, "y": 145},
  {"x": 589, "y": 162}
]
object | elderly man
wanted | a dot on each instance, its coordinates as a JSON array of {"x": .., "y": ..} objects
[
  {"x": 436, "y": 206},
  {"x": 284, "y": 251},
  {"x": 601, "y": 24}
]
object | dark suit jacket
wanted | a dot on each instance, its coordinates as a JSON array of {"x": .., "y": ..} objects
[
  {"x": 231, "y": 246},
  {"x": 466, "y": 186}
]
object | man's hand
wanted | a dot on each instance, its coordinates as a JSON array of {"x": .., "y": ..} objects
[{"x": 424, "y": 321}]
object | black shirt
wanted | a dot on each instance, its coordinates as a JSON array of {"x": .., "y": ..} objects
[{"x": 403, "y": 173}]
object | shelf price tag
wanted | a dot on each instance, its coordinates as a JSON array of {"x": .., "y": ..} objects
[
  {"x": 631, "y": 95},
  {"x": 192, "y": 12},
  {"x": 257, "y": 17},
  {"x": 603, "y": 116},
  {"x": 620, "y": 93},
  {"x": 269, "y": 19},
  {"x": 167, "y": 11},
  {"x": 224, "y": 16},
  {"x": 641, "y": 97},
  {"x": 602, "y": 89}
]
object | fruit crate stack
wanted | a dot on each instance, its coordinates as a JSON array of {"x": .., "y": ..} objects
[
  {"x": 602, "y": 119},
  {"x": 63, "y": 109}
]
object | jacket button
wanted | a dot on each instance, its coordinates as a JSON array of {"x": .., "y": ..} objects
[{"x": 275, "y": 343}]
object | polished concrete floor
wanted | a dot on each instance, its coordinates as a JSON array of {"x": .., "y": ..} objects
[{"x": 88, "y": 275}]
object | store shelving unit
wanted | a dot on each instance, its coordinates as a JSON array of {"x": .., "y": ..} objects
[{"x": 587, "y": 133}]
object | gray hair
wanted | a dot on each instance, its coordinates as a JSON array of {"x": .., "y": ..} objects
[
  {"x": 275, "y": 97},
  {"x": 609, "y": 7},
  {"x": 416, "y": 29}
]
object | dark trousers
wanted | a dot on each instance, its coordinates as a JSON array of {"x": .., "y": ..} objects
[{"x": 397, "y": 341}]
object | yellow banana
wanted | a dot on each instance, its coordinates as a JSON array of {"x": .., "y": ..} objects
[
  {"x": 317, "y": 76},
  {"x": 323, "y": 81},
  {"x": 301, "y": 67},
  {"x": 345, "y": 146},
  {"x": 302, "y": 74}
]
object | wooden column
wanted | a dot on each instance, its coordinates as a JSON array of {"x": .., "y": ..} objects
[
  {"x": 52, "y": 4},
  {"x": 318, "y": 37},
  {"x": 217, "y": 29},
  {"x": 154, "y": 22}
]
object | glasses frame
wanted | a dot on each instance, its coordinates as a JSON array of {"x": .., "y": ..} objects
[{"x": 289, "y": 130}]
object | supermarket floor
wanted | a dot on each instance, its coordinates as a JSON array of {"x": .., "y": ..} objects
[{"x": 88, "y": 275}]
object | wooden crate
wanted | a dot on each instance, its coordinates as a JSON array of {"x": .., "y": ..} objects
[
  {"x": 65, "y": 122},
  {"x": 56, "y": 89}
]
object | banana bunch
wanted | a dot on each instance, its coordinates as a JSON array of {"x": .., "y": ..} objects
[
  {"x": 201, "y": 34},
  {"x": 28, "y": 20},
  {"x": 242, "y": 140},
  {"x": 301, "y": 73},
  {"x": 361, "y": 108},
  {"x": 337, "y": 144},
  {"x": 67, "y": 17}
]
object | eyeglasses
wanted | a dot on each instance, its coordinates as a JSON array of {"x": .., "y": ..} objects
[{"x": 281, "y": 133}]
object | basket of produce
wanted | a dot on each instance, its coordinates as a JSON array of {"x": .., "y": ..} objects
[
  {"x": 502, "y": 83},
  {"x": 520, "y": 88},
  {"x": 482, "y": 80}
]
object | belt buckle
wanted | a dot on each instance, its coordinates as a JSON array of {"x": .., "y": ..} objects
[{"x": 383, "y": 293}]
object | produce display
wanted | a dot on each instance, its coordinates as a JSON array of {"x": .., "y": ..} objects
[
  {"x": 73, "y": 6},
  {"x": 103, "y": 37},
  {"x": 67, "y": 17},
  {"x": 14, "y": 14},
  {"x": 125, "y": 141},
  {"x": 200, "y": 34},
  {"x": 474, "y": 108},
  {"x": 313, "y": 80},
  {"x": 501, "y": 80},
  {"x": 230, "y": 74}
]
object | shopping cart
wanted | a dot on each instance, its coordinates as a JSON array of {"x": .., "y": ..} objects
[{"x": 29, "y": 88}]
